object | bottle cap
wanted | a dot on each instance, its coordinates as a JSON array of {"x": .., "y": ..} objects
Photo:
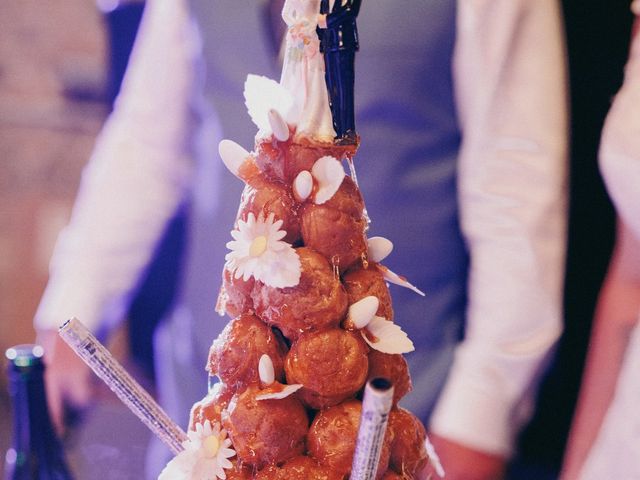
[{"x": 25, "y": 356}]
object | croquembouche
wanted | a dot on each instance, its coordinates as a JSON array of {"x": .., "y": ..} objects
[{"x": 307, "y": 294}]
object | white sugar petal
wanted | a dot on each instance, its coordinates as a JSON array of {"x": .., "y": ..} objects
[
  {"x": 244, "y": 273},
  {"x": 233, "y": 155},
  {"x": 387, "y": 337},
  {"x": 328, "y": 173},
  {"x": 196, "y": 461},
  {"x": 276, "y": 225},
  {"x": 227, "y": 453},
  {"x": 279, "y": 235},
  {"x": 379, "y": 248},
  {"x": 434, "y": 459},
  {"x": 284, "y": 393},
  {"x": 363, "y": 311},
  {"x": 279, "y": 127},
  {"x": 265, "y": 370},
  {"x": 262, "y": 94},
  {"x": 396, "y": 279},
  {"x": 180, "y": 466},
  {"x": 303, "y": 185},
  {"x": 220, "y": 473},
  {"x": 284, "y": 271}
]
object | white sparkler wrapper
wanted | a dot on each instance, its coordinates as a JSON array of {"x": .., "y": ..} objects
[
  {"x": 378, "y": 398},
  {"x": 94, "y": 354}
]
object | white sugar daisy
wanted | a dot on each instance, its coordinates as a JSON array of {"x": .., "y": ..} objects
[
  {"x": 205, "y": 456},
  {"x": 257, "y": 251}
]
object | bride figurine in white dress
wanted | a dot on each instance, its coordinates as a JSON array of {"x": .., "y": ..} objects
[
  {"x": 301, "y": 97},
  {"x": 303, "y": 72}
]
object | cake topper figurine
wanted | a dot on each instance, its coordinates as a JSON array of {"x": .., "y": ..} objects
[
  {"x": 339, "y": 42},
  {"x": 303, "y": 71}
]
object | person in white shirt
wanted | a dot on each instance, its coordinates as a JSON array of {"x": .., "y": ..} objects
[
  {"x": 461, "y": 106},
  {"x": 603, "y": 442}
]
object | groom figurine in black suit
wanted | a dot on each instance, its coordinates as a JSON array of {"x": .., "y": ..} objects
[{"x": 339, "y": 44}]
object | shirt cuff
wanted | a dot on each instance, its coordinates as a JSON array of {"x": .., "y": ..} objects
[
  {"x": 473, "y": 411},
  {"x": 75, "y": 296}
]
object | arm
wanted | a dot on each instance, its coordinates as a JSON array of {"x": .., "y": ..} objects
[
  {"x": 288, "y": 12},
  {"x": 137, "y": 176},
  {"x": 620, "y": 144},
  {"x": 615, "y": 317},
  {"x": 339, "y": 15},
  {"x": 619, "y": 301},
  {"x": 509, "y": 71},
  {"x": 355, "y": 7}
]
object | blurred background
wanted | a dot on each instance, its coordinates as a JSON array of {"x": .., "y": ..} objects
[
  {"x": 60, "y": 65},
  {"x": 52, "y": 104}
]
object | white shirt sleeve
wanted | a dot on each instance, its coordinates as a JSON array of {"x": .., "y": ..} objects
[
  {"x": 139, "y": 172},
  {"x": 620, "y": 145},
  {"x": 509, "y": 71}
]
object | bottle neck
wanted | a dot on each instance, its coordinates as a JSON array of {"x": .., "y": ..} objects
[
  {"x": 32, "y": 427},
  {"x": 36, "y": 451}
]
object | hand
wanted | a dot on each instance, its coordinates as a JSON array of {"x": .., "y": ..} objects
[
  {"x": 67, "y": 378},
  {"x": 570, "y": 472},
  {"x": 464, "y": 463}
]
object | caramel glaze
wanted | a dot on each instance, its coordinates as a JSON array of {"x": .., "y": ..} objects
[
  {"x": 283, "y": 161},
  {"x": 318, "y": 302},
  {"x": 313, "y": 362},
  {"x": 391, "y": 366},
  {"x": 298, "y": 468},
  {"x": 299, "y": 328},
  {"x": 336, "y": 228},
  {"x": 239, "y": 471},
  {"x": 362, "y": 282},
  {"x": 276, "y": 199},
  {"x": 408, "y": 452},
  {"x": 265, "y": 432},
  {"x": 210, "y": 407},
  {"x": 235, "y": 354},
  {"x": 391, "y": 475},
  {"x": 269, "y": 177},
  {"x": 332, "y": 438},
  {"x": 234, "y": 298}
]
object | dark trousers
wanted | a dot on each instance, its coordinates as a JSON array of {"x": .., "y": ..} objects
[{"x": 340, "y": 80}]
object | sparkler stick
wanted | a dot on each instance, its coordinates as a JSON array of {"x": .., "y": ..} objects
[
  {"x": 94, "y": 354},
  {"x": 378, "y": 398}
]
